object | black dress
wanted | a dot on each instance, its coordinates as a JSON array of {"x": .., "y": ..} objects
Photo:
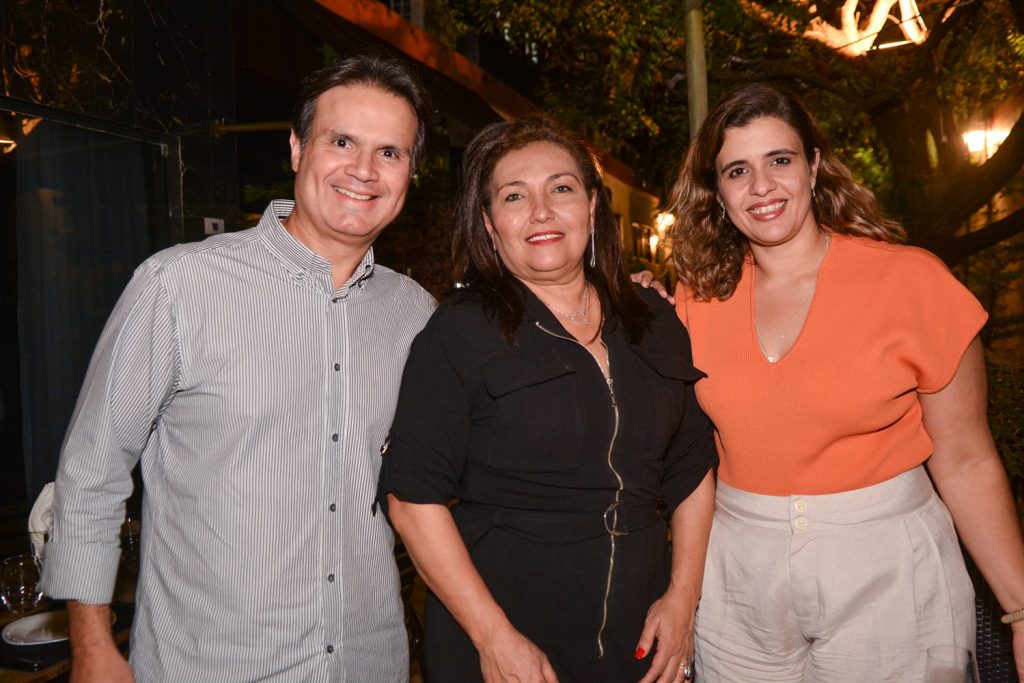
[{"x": 534, "y": 442}]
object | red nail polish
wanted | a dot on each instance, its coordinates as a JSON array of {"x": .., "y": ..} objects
[{"x": 639, "y": 654}]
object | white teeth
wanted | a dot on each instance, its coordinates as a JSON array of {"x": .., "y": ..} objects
[
  {"x": 544, "y": 238},
  {"x": 353, "y": 195},
  {"x": 761, "y": 210}
]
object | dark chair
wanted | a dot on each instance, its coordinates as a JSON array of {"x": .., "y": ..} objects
[{"x": 994, "y": 647}]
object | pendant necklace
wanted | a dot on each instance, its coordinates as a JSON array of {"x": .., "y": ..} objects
[
  {"x": 774, "y": 358},
  {"x": 580, "y": 316}
]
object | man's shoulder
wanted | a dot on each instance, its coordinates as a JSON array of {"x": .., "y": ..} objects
[
  {"x": 405, "y": 291},
  {"x": 195, "y": 254}
]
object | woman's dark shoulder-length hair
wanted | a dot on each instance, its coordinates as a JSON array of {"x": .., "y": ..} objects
[
  {"x": 473, "y": 259},
  {"x": 708, "y": 250}
]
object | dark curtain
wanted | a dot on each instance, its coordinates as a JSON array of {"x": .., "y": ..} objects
[{"x": 82, "y": 207}]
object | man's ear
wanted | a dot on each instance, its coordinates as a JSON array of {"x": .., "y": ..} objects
[{"x": 296, "y": 145}]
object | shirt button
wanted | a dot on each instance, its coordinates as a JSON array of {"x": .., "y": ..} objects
[
  {"x": 334, "y": 437},
  {"x": 330, "y": 649},
  {"x": 332, "y": 507},
  {"x": 330, "y": 578},
  {"x": 337, "y": 366},
  {"x": 800, "y": 523},
  {"x": 800, "y": 505}
]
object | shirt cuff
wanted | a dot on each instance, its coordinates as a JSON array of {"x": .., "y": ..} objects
[{"x": 85, "y": 573}]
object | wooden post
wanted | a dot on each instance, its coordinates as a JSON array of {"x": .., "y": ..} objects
[{"x": 696, "y": 67}]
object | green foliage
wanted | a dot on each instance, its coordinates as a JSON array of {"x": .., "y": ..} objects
[
  {"x": 615, "y": 71},
  {"x": 983, "y": 66},
  {"x": 991, "y": 274},
  {"x": 608, "y": 67},
  {"x": 1006, "y": 419}
]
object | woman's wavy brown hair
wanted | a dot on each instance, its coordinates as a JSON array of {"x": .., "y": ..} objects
[{"x": 708, "y": 250}]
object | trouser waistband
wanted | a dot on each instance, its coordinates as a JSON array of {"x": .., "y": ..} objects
[{"x": 901, "y": 494}]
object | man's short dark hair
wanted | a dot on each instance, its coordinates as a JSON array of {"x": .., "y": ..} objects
[{"x": 387, "y": 74}]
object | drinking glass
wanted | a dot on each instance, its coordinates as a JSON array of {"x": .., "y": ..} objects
[
  {"x": 951, "y": 664},
  {"x": 19, "y": 583}
]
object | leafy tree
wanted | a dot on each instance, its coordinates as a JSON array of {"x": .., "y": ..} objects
[{"x": 615, "y": 71}]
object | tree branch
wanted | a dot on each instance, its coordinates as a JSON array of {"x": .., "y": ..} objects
[
  {"x": 974, "y": 186},
  {"x": 956, "y": 249},
  {"x": 955, "y": 14},
  {"x": 911, "y": 23},
  {"x": 779, "y": 22},
  {"x": 920, "y": 67},
  {"x": 785, "y": 70}
]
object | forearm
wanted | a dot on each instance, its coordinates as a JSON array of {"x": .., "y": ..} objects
[
  {"x": 89, "y": 626},
  {"x": 691, "y": 527},
  {"x": 440, "y": 556},
  {"x": 94, "y": 655},
  {"x": 978, "y": 497}
]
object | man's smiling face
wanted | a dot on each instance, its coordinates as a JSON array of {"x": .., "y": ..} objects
[{"x": 352, "y": 172}]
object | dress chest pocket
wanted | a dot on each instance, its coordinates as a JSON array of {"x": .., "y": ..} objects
[{"x": 538, "y": 425}]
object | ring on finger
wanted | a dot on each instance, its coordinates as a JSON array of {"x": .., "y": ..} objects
[{"x": 687, "y": 669}]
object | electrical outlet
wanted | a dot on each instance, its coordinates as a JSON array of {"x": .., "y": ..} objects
[{"x": 213, "y": 226}]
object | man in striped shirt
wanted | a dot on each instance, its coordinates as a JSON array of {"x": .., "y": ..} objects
[{"x": 255, "y": 374}]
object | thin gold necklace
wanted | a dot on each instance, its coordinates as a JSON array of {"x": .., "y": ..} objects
[{"x": 774, "y": 358}]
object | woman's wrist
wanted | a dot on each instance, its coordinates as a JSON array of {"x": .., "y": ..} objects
[
  {"x": 683, "y": 592},
  {"x": 488, "y": 628}
]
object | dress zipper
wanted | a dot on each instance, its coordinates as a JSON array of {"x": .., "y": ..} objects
[{"x": 611, "y": 512}]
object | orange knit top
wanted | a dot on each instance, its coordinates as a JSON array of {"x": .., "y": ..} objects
[{"x": 840, "y": 410}]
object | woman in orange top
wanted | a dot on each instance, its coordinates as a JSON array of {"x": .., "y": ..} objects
[{"x": 839, "y": 364}]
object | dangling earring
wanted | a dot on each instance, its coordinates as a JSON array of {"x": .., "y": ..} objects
[
  {"x": 593, "y": 250},
  {"x": 723, "y": 214},
  {"x": 812, "y": 192},
  {"x": 497, "y": 259}
]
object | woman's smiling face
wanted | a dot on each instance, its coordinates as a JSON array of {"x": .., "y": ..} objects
[
  {"x": 540, "y": 214},
  {"x": 765, "y": 181}
]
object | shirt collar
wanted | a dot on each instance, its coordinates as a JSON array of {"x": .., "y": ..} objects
[{"x": 300, "y": 260}]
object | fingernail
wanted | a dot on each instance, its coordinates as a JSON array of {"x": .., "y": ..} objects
[{"x": 639, "y": 654}]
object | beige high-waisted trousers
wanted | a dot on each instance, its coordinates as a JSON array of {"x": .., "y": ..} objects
[{"x": 852, "y": 586}]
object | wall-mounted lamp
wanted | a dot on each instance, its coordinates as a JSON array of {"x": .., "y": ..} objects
[
  {"x": 663, "y": 221},
  {"x": 984, "y": 140}
]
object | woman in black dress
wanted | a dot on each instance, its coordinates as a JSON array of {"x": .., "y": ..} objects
[{"x": 554, "y": 400}]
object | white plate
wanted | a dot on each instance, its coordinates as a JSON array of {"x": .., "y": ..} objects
[{"x": 37, "y": 629}]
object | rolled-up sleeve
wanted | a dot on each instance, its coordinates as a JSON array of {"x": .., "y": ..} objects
[
  {"x": 427, "y": 448},
  {"x": 691, "y": 453},
  {"x": 130, "y": 380}
]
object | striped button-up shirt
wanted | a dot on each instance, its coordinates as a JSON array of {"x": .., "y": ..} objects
[{"x": 257, "y": 397}]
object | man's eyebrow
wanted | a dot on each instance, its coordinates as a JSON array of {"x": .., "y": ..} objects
[{"x": 333, "y": 133}]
